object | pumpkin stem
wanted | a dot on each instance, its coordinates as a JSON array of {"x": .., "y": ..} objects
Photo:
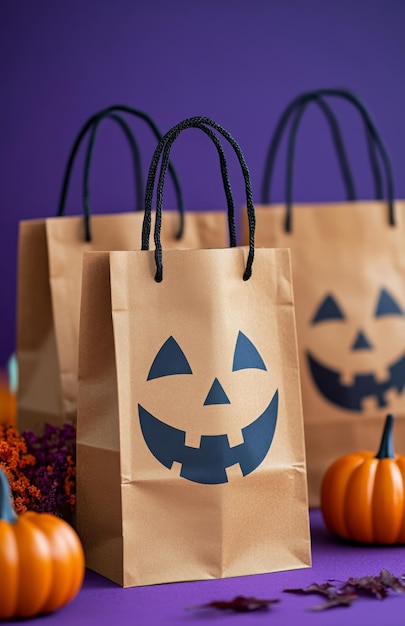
[
  {"x": 7, "y": 512},
  {"x": 386, "y": 450}
]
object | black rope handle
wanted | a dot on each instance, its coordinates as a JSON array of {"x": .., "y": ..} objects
[
  {"x": 164, "y": 146},
  {"x": 343, "y": 160},
  {"x": 137, "y": 166},
  {"x": 292, "y": 141},
  {"x": 371, "y": 131},
  {"x": 226, "y": 184},
  {"x": 300, "y": 103},
  {"x": 165, "y": 160},
  {"x": 77, "y": 143}
]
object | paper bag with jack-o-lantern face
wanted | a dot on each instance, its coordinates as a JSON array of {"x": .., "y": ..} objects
[
  {"x": 190, "y": 449},
  {"x": 49, "y": 281},
  {"x": 348, "y": 262}
]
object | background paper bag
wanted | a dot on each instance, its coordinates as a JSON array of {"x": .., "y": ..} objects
[
  {"x": 49, "y": 282},
  {"x": 348, "y": 263},
  {"x": 190, "y": 450}
]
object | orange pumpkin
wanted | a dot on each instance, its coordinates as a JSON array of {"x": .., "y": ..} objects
[
  {"x": 8, "y": 408},
  {"x": 41, "y": 560},
  {"x": 363, "y": 495}
]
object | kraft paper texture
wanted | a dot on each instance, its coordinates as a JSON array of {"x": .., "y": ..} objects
[
  {"x": 350, "y": 252},
  {"x": 140, "y": 519},
  {"x": 49, "y": 286}
]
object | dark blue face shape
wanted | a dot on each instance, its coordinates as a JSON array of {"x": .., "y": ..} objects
[
  {"x": 207, "y": 464},
  {"x": 364, "y": 385}
]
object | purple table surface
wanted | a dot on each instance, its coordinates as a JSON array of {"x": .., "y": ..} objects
[{"x": 103, "y": 602}]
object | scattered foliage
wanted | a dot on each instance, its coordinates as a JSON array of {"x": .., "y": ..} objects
[
  {"x": 16, "y": 461},
  {"x": 240, "y": 604},
  {"x": 378, "y": 586},
  {"x": 41, "y": 469},
  {"x": 344, "y": 594}
]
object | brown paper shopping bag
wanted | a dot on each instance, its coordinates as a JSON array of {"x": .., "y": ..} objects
[
  {"x": 190, "y": 450},
  {"x": 49, "y": 281},
  {"x": 348, "y": 263}
]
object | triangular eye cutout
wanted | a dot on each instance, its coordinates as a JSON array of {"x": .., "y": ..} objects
[
  {"x": 329, "y": 310},
  {"x": 386, "y": 305},
  {"x": 246, "y": 355},
  {"x": 169, "y": 360}
]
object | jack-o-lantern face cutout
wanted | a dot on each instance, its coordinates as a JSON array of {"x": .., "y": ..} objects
[
  {"x": 207, "y": 464},
  {"x": 363, "y": 385}
]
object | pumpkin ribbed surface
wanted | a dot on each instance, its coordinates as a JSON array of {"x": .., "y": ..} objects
[
  {"x": 41, "y": 565},
  {"x": 363, "y": 495}
]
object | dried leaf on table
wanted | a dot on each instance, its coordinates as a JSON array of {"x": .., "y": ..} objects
[
  {"x": 337, "y": 599},
  {"x": 325, "y": 589},
  {"x": 240, "y": 604},
  {"x": 378, "y": 586},
  {"x": 335, "y": 596},
  {"x": 344, "y": 593}
]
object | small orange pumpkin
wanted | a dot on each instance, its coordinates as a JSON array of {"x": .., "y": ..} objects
[
  {"x": 363, "y": 495},
  {"x": 8, "y": 408},
  {"x": 41, "y": 560}
]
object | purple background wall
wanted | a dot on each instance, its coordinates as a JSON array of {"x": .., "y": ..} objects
[{"x": 238, "y": 61}]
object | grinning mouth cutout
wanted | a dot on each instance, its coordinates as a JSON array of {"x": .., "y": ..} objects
[
  {"x": 207, "y": 464},
  {"x": 351, "y": 396}
]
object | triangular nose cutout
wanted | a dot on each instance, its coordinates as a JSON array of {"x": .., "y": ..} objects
[
  {"x": 361, "y": 342},
  {"x": 216, "y": 394}
]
